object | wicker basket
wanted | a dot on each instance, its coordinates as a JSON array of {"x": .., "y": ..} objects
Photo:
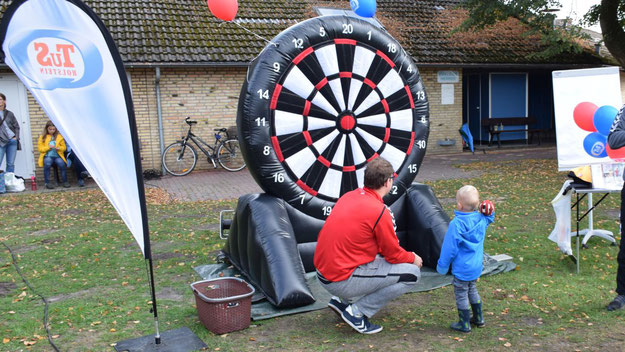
[{"x": 223, "y": 304}]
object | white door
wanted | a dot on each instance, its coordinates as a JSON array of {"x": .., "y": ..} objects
[{"x": 17, "y": 102}]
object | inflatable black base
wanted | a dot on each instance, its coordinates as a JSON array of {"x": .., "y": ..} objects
[{"x": 273, "y": 244}]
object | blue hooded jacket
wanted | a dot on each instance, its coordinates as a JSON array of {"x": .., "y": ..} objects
[{"x": 463, "y": 246}]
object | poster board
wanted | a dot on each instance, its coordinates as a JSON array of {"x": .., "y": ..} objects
[
  {"x": 607, "y": 176},
  {"x": 578, "y": 95}
]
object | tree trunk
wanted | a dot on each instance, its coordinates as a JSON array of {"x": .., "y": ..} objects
[{"x": 613, "y": 33}]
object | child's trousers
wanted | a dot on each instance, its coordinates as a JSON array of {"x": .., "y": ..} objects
[{"x": 466, "y": 292}]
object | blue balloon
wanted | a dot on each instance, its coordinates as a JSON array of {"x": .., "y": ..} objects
[
  {"x": 363, "y": 8},
  {"x": 603, "y": 118},
  {"x": 595, "y": 144}
]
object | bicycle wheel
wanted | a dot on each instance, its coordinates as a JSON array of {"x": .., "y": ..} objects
[
  {"x": 229, "y": 155},
  {"x": 179, "y": 159}
]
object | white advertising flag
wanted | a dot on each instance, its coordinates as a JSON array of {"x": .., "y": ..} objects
[
  {"x": 585, "y": 103},
  {"x": 67, "y": 59}
]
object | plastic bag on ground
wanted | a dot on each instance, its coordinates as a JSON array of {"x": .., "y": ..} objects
[{"x": 12, "y": 183}]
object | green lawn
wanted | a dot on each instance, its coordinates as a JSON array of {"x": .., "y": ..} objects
[{"x": 74, "y": 249}]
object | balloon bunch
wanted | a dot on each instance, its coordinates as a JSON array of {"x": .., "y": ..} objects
[
  {"x": 223, "y": 9},
  {"x": 597, "y": 120},
  {"x": 363, "y": 8}
]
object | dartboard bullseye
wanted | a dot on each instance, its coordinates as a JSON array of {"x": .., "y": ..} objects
[{"x": 331, "y": 95}]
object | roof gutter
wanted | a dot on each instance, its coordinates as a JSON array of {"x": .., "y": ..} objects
[
  {"x": 508, "y": 66},
  {"x": 185, "y": 64}
]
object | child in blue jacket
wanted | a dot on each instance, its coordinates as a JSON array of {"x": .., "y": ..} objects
[{"x": 463, "y": 250}]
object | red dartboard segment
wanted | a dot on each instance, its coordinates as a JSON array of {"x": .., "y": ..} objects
[
  {"x": 307, "y": 138},
  {"x": 386, "y": 58},
  {"x": 276, "y": 148},
  {"x": 321, "y": 83},
  {"x": 306, "y": 188},
  {"x": 324, "y": 161},
  {"x": 274, "y": 97},
  {"x": 345, "y": 74},
  {"x": 345, "y": 41},
  {"x": 301, "y": 56},
  {"x": 409, "y": 94},
  {"x": 411, "y": 144},
  {"x": 385, "y": 104}
]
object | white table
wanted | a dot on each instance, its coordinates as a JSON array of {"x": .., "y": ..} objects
[{"x": 590, "y": 231}]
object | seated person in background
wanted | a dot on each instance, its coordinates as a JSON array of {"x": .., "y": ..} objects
[
  {"x": 79, "y": 168},
  {"x": 358, "y": 256},
  {"x": 52, "y": 148}
]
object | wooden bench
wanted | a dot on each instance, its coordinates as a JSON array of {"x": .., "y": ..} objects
[{"x": 496, "y": 127}]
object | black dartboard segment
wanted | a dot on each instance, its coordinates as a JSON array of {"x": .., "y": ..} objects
[{"x": 327, "y": 97}]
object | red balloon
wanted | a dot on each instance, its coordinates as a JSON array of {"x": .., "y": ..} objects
[
  {"x": 583, "y": 115},
  {"x": 223, "y": 9},
  {"x": 615, "y": 154}
]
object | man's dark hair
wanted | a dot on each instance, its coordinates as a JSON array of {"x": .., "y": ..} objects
[
  {"x": 377, "y": 172},
  {"x": 3, "y": 97}
]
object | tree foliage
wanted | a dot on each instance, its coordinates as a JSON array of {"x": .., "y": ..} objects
[{"x": 538, "y": 16}]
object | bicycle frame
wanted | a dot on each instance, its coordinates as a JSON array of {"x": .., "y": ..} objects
[{"x": 199, "y": 142}]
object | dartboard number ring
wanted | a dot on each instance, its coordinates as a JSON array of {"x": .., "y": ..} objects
[{"x": 315, "y": 111}]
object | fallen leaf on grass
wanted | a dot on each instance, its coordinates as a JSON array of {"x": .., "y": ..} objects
[
  {"x": 5, "y": 340},
  {"x": 507, "y": 344},
  {"x": 29, "y": 343},
  {"x": 252, "y": 339}
]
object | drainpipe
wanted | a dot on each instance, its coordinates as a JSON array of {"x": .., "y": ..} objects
[{"x": 159, "y": 111}]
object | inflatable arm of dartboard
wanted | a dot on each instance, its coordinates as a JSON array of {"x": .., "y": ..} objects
[
  {"x": 427, "y": 224},
  {"x": 262, "y": 245}
]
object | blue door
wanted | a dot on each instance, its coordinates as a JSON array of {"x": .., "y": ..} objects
[
  {"x": 508, "y": 98},
  {"x": 473, "y": 107}
]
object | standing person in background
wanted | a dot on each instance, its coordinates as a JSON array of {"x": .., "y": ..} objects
[
  {"x": 52, "y": 152},
  {"x": 9, "y": 135},
  {"x": 616, "y": 139}
]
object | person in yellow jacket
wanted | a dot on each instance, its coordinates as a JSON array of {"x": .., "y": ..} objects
[{"x": 52, "y": 152}]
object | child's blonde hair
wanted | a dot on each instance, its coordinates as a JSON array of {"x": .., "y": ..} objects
[{"x": 468, "y": 197}]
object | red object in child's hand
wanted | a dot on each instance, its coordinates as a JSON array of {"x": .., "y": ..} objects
[{"x": 487, "y": 207}]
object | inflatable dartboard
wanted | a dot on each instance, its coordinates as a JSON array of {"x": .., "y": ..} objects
[{"x": 327, "y": 96}]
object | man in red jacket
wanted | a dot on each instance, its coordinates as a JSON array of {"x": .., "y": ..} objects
[{"x": 358, "y": 253}]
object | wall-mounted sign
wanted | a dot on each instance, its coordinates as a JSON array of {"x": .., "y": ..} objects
[{"x": 448, "y": 76}]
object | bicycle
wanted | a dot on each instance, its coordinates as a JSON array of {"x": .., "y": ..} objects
[{"x": 180, "y": 157}]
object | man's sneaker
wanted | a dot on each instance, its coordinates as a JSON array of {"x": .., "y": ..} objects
[
  {"x": 359, "y": 323},
  {"x": 81, "y": 183},
  {"x": 66, "y": 184},
  {"x": 337, "y": 305},
  {"x": 49, "y": 186},
  {"x": 617, "y": 303}
]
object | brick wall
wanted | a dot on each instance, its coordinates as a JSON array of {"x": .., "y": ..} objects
[
  {"x": 445, "y": 120},
  {"x": 210, "y": 96},
  {"x": 207, "y": 95}
]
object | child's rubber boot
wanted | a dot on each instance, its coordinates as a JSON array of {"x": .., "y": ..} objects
[
  {"x": 478, "y": 317},
  {"x": 464, "y": 324}
]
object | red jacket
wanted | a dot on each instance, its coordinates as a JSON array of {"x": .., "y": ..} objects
[{"x": 348, "y": 238}]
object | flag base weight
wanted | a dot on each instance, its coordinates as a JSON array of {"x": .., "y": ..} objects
[{"x": 179, "y": 340}]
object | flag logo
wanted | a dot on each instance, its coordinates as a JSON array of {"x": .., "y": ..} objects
[{"x": 57, "y": 59}]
